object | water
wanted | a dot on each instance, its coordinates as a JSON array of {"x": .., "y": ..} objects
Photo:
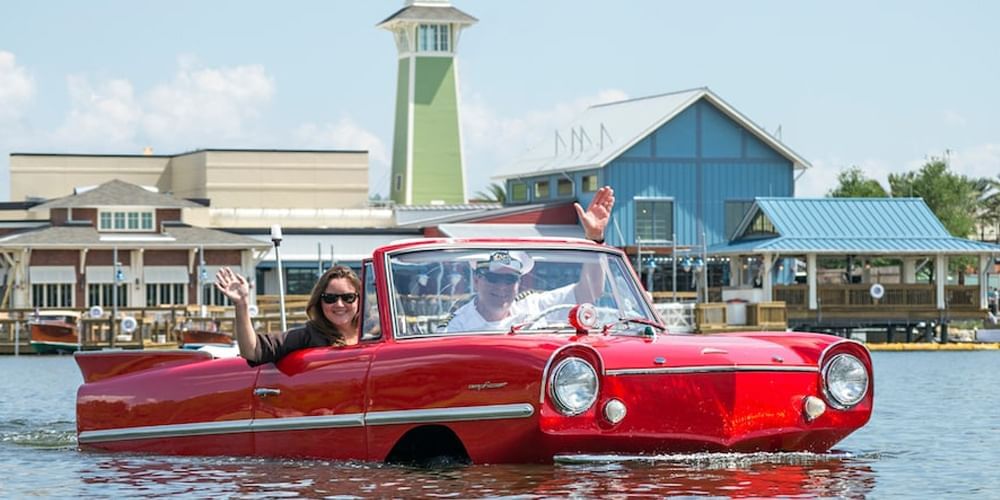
[{"x": 935, "y": 433}]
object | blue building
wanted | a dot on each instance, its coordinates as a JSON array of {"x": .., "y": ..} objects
[{"x": 685, "y": 166}]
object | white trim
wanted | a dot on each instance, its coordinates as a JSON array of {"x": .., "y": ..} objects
[
  {"x": 51, "y": 275},
  {"x": 422, "y": 416},
  {"x": 453, "y": 414},
  {"x": 710, "y": 369},
  {"x": 461, "y": 143},
  {"x": 158, "y": 275},
  {"x": 127, "y": 210}
]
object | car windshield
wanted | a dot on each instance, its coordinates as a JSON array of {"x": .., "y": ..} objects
[{"x": 489, "y": 290}]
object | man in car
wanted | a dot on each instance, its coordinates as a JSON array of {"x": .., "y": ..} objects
[{"x": 497, "y": 305}]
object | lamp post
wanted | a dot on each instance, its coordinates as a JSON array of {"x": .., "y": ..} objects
[
  {"x": 276, "y": 239},
  {"x": 116, "y": 279},
  {"x": 202, "y": 278}
]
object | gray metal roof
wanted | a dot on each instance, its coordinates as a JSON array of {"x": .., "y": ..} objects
[
  {"x": 428, "y": 14},
  {"x": 511, "y": 230},
  {"x": 613, "y": 128},
  {"x": 77, "y": 237},
  {"x": 849, "y": 225},
  {"x": 117, "y": 193}
]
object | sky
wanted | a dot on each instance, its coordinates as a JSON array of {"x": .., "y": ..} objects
[{"x": 879, "y": 85}]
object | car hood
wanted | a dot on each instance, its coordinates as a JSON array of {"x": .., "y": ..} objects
[{"x": 757, "y": 349}]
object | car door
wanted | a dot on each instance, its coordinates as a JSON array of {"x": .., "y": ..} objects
[{"x": 311, "y": 404}]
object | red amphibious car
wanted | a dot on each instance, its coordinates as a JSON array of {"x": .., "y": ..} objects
[{"x": 580, "y": 364}]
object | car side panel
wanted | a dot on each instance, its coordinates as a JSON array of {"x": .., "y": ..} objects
[
  {"x": 431, "y": 380},
  {"x": 176, "y": 408}
]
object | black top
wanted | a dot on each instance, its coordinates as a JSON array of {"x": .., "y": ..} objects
[{"x": 271, "y": 347}]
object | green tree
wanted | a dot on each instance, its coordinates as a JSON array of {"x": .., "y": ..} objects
[
  {"x": 494, "y": 192},
  {"x": 852, "y": 183},
  {"x": 953, "y": 198}
]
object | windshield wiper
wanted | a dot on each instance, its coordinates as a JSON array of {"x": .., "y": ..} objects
[{"x": 641, "y": 321}]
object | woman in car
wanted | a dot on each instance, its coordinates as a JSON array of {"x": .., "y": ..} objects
[{"x": 332, "y": 310}]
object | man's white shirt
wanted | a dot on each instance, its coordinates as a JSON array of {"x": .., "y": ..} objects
[{"x": 467, "y": 317}]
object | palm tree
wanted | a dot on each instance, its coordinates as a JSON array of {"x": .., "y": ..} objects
[
  {"x": 494, "y": 192},
  {"x": 988, "y": 206}
]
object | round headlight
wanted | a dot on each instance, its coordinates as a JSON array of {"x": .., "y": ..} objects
[
  {"x": 846, "y": 380},
  {"x": 573, "y": 386}
]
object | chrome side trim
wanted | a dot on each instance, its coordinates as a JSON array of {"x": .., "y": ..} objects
[
  {"x": 465, "y": 413},
  {"x": 710, "y": 369},
  {"x": 303, "y": 423},
  {"x": 164, "y": 431}
]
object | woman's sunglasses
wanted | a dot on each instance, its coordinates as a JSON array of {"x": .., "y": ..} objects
[{"x": 331, "y": 298}]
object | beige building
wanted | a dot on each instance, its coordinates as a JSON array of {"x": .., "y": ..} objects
[{"x": 246, "y": 188}]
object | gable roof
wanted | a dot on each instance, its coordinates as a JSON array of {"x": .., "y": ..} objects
[
  {"x": 611, "y": 129},
  {"x": 848, "y": 225},
  {"x": 117, "y": 193},
  {"x": 173, "y": 236},
  {"x": 432, "y": 12}
]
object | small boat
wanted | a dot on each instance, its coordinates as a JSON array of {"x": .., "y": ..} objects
[
  {"x": 55, "y": 332},
  {"x": 195, "y": 336}
]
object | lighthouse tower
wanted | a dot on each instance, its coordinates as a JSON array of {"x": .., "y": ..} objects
[{"x": 427, "y": 164}]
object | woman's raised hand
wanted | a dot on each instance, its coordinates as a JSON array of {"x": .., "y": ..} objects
[{"x": 232, "y": 285}]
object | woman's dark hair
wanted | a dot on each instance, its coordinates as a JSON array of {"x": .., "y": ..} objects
[{"x": 314, "y": 309}]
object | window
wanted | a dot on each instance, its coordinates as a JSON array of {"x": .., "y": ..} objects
[
  {"x": 735, "y": 211},
  {"x": 541, "y": 190},
  {"x": 161, "y": 294},
  {"x": 300, "y": 281},
  {"x": 52, "y": 295},
  {"x": 761, "y": 226},
  {"x": 102, "y": 294},
  {"x": 399, "y": 182},
  {"x": 434, "y": 38},
  {"x": 518, "y": 191},
  {"x": 589, "y": 183},
  {"x": 114, "y": 220},
  {"x": 213, "y": 297},
  {"x": 654, "y": 220},
  {"x": 564, "y": 187}
]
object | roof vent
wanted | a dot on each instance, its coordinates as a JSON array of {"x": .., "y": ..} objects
[{"x": 147, "y": 151}]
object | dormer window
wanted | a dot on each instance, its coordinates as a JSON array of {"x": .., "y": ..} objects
[
  {"x": 125, "y": 220},
  {"x": 434, "y": 38}
]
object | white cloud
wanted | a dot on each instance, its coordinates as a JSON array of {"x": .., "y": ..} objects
[
  {"x": 103, "y": 117},
  {"x": 492, "y": 140},
  {"x": 205, "y": 105},
  {"x": 17, "y": 89}
]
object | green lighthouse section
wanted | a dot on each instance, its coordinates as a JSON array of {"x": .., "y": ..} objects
[
  {"x": 437, "y": 150},
  {"x": 427, "y": 165},
  {"x": 400, "y": 137}
]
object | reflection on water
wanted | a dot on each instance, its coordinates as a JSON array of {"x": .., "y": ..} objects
[{"x": 723, "y": 475}]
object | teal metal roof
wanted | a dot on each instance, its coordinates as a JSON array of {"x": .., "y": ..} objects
[{"x": 849, "y": 225}]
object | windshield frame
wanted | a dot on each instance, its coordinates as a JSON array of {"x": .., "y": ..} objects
[{"x": 612, "y": 259}]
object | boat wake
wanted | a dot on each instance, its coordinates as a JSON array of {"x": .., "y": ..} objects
[
  {"x": 708, "y": 460},
  {"x": 52, "y": 435}
]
